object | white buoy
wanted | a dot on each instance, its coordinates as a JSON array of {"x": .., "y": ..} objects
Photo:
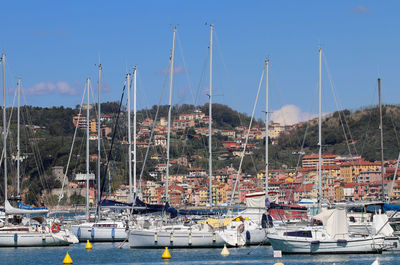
[{"x": 225, "y": 251}]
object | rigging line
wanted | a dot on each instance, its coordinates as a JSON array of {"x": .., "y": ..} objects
[
  {"x": 70, "y": 152},
  {"x": 153, "y": 126},
  {"x": 8, "y": 126},
  {"x": 247, "y": 137},
  {"x": 36, "y": 150},
  {"x": 185, "y": 67},
  {"x": 103, "y": 182},
  {"x": 201, "y": 78},
  {"x": 304, "y": 141},
  {"x": 338, "y": 108}
]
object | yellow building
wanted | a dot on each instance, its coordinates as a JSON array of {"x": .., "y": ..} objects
[
  {"x": 93, "y": 127},
  {"x": 220, "y": 194},
  {"x": 203, "y": 194},
  {"x": 350, "y": 170}
]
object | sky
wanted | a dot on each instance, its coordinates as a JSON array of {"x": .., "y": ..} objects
[{"x": 55, "y": 45}]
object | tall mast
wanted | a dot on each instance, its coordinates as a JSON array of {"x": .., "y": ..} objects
[
  {"x": 210, "y": 118},
  {"x": 87, "y": 146},
  {"x": 134, "y": 131},
  {"x": 18, "y": 135},
  {"x": 171, "y": 79},
  {"x": 266, "y": 128},
  {"x": 128, "y": 85},
  {"x": 99, "y": 135},
  {"x": 3, "y": 60},
  {"x": 381, "y": 129},
  {"x": 320, "y": 128}
]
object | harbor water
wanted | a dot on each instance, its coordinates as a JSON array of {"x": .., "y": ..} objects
[{"x": 108, "y": 253}]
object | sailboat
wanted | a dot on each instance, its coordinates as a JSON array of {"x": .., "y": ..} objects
[
  {"x": 19, "y": 232},
  {"x": 162, "y": 232},
  {"x": 333, "y": 236},
  {"x": 104, "y": 229}
]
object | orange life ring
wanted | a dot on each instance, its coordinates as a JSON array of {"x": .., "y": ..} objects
[
  {"x": 241, "y": 228},
  {"x": 55, "y": 227},
  {"x": 61, "y": 219}
]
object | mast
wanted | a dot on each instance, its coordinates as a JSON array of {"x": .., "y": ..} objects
[
  {"x": 320, "y": 127},
  {"x": 210, "y": 118},
  {"x": 128, "y": 85},
  {"x": 381, "y": 129},
  {"x": 3, "y": 60},
  {"x": 87, "y": 146},
  {"x": 171, "y": 79},
  {"x": 134, "y": 131},
  {"x": 266, "y": 128},
  {"x": 99, "y": 136},
  {"x": 18, "y": 135}
]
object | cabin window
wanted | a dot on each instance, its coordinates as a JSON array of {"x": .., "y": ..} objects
[{"x": 298, "y": 233}]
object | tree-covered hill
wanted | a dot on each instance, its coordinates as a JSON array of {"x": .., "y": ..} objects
[
  {"x": 350, "y": 132},
  {"x": 46, "y": 137}
]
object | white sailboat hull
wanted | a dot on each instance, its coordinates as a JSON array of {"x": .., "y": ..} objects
[
  {"x": 30, "y": 239},
  {"x": 99, "y": 234},
  {"x": 174, "y": 239},
  {"x": 311, "y": 246}
]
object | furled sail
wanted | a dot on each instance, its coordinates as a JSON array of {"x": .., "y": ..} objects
[{"x": 26, "y": 210}]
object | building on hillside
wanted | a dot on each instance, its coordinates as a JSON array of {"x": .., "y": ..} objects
[
  {"x": 312, "y": 160},
  {"x": 197, "y": 172},
  {"x": 196, "y": 115},
  {"x": 79, "y": 121},
  {"x": 160, "y": 140},
  {"x": 105, "y": 131},
  {"x": 228, "y": 133},
  {"x": 305, "y": 191},
  {"x": 58, "y": 173},
  {"x": 348, "y": 191},
  {"x": 182, "y": 124},
  {"x": 147, "y": 122},
  {"x": 231, "y": 145},
  {"x": 349, "y": 171}
]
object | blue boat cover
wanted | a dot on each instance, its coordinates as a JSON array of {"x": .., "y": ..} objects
[
  {"x": 28, "y": 207},
  {"x": 390, "y": 207}
]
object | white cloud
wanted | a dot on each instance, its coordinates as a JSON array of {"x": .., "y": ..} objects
[
  {"x": 290, "y": 114},
  {"x": 47, "y": 88}
]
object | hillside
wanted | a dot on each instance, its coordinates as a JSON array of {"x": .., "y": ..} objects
[
  {"x": 47, "y": 134},
  {"x": 347, "y": 132}
]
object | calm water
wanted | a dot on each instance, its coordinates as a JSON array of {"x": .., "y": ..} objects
[{"x": 107, "y": 253}]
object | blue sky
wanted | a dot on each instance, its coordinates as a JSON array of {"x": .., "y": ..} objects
[{"x": 55, "y": 45}]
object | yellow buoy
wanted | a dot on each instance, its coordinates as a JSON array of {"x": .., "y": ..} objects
[
  {"x": 166, "y": 254},
  {"x": 279, "y": 263},
  {"x": 67, "y": 259},
  {"x": 225, "y": 251},
  {"x": 88, "y": 245}
]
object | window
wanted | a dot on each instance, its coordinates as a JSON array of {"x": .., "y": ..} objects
[{"x": 298, "y": 233}]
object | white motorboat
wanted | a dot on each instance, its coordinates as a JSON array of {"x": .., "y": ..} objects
[{"x": 331, "y": 238}]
